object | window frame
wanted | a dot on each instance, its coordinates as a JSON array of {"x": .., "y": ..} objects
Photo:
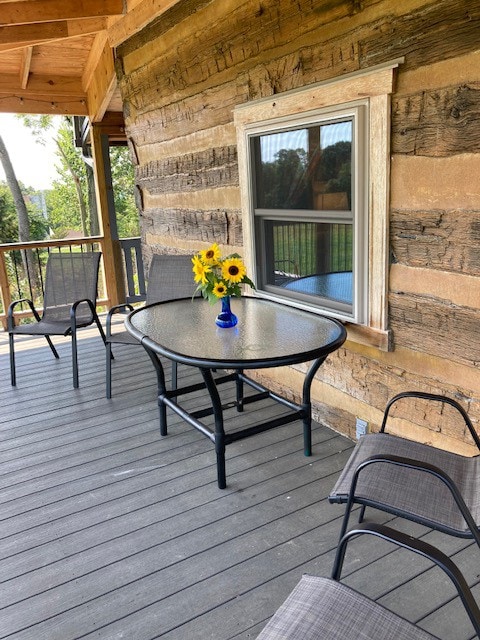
[
  {"x": 357, "y": 113},
  {"x": 374, "y": 86}
]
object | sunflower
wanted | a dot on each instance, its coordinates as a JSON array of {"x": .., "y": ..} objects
[
  {"x": 200, "y": 270},
  {"x": 233, "y": 270},
  {"x": 211, "y": 255},
  {"x": 220, "y": 290}
]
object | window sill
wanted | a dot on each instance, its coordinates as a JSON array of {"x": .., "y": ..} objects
[{"x": 382, "y": 340}]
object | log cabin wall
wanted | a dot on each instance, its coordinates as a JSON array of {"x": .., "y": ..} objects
[{"x": 183, "y": 75}]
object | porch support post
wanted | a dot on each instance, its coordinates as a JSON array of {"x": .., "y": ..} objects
[
  {"x": 112, "y": 252},
  {"x": 4, "y": 289}
]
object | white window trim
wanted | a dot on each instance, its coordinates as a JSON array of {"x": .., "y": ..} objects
[
  {"x": 356, "y": 112},
  {"x": 374, "y": 86}
]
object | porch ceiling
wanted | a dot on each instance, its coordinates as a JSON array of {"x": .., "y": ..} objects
[{"x": 56, "y": 56}]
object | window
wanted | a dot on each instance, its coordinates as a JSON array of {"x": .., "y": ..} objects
[
  {"x": 308, "y": 210},
  {"x": 314, "y": 178}
]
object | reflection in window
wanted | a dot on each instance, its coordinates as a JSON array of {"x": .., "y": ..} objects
[
  {"x": 310, "y": 258},
  {"x": 308, "y": 168}
]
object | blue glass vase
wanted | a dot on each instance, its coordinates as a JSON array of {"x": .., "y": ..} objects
[{"x": 226, "y": 318}]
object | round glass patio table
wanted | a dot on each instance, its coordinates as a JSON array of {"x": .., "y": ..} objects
[{"x": 268, "y": 334}]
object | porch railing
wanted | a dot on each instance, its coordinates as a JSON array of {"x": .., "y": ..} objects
[
  {"x": 133, "y": 269},
  {"x": 22, "y": 271}
]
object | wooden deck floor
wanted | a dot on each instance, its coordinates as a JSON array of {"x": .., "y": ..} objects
[{"x": 109, "y": 531}]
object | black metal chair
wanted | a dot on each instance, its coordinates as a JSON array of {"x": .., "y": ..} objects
[
  {"x": 324, "y": 608},
  {"x": 69, "y": 303},
  {"x": 170, "y": 277},
  {"x": 416, "y": 481}
]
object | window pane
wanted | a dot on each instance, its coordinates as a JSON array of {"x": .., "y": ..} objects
[
  {"x": 307, "y": 168},
  {"x": 310, "y": 258}
]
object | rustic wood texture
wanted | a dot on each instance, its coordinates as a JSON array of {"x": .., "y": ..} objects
[
  {"x": 223, "y": 227},
  {"x": 203, "y": 170},
  {"x": 437, "y": 239},
  {"x": 436, "y": 328},
  {"x": 181, "y": 78},
  {"x": 353, "y": 384},
  {"x": 109, "y": 530},
  {"x": 437, "y": 123}
]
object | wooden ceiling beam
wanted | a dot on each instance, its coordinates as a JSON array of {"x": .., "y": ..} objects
[
  {"x": 43, "y": 104},
  {"x": 32, "y": 11},
  {"x": 95, "y": 54},
  {"x": 102, "y": 83},
  {"x": 47, "y": 31},
  {"x": 51, "y": 87}
]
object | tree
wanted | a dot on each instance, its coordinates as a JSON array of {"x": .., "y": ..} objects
[
  {"x": 72, "y": 168},
  {"x": 71, "y": 203},
  {"x": 73, "y": 163},
  {"x": 8, "y": 220},
  {"x": 284, "y": 183},
  {"x": 22, "y": 213},
  {"x": 14, "y": 186}
]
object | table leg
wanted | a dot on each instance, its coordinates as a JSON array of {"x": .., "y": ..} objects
[
  {"x": 161, "y": 389},
  {"x": 219, "y": 436},
  {"x": 307, "y": 405},
  {"x": 239, "y": 385}
]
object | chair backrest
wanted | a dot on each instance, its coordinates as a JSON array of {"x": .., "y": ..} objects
[
  {"x": 70, "y": 277},
  {"x": 170, "y": 277}
]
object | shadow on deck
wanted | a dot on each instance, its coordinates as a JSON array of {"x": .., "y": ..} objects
[{"x": 110, "y": 531}]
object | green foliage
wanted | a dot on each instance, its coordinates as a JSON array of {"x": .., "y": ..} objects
[
  {"x": 9, "y": 221},
  {"x": 123, "y": 180},
  {"x": 284, "y": 181},
  {"x": 38, "y": 124},
  {"x": 62, "y": 201},
  {"x": 63, "y": 206},
  {"x": 8, "y": 216}
]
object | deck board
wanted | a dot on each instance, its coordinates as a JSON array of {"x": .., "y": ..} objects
[{"x": 110, "y": 531}]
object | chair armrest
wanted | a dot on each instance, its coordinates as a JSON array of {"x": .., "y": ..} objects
[
  {"x": 421, "y": 548},
  {"x": 118, "y": 308},
  {"x": 11, "y": 310},
  {"x": 74, "y": 307},
  {"x": 435, "y": 398}
]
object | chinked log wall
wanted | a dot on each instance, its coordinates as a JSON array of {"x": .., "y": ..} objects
[{"x": 182, "y": 76}]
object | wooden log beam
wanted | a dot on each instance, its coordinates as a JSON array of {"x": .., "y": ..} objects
[
  {"x": 437, "y": 122},
  {"x": 443, "y": 240},
  {"x": 436, "y": 327},
  {"x": 28, "y": 11},
  {"x": 138, "y": 18}
]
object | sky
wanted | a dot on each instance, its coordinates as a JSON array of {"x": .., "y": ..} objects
[{"x": 33, "y": 163}]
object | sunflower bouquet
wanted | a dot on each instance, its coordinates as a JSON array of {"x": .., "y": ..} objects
[{"x": 219, "y": 277}]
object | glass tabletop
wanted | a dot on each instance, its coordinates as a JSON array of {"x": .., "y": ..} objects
[{"x": 267, "y": 334}]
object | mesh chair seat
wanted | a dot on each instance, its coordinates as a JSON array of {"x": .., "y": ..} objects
[
  {"x": 324, "y": 608},
  {"x": 122, "y": 337},
  {"x": 51, "y": 328},
  {"x": 404, "y": 490}
]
